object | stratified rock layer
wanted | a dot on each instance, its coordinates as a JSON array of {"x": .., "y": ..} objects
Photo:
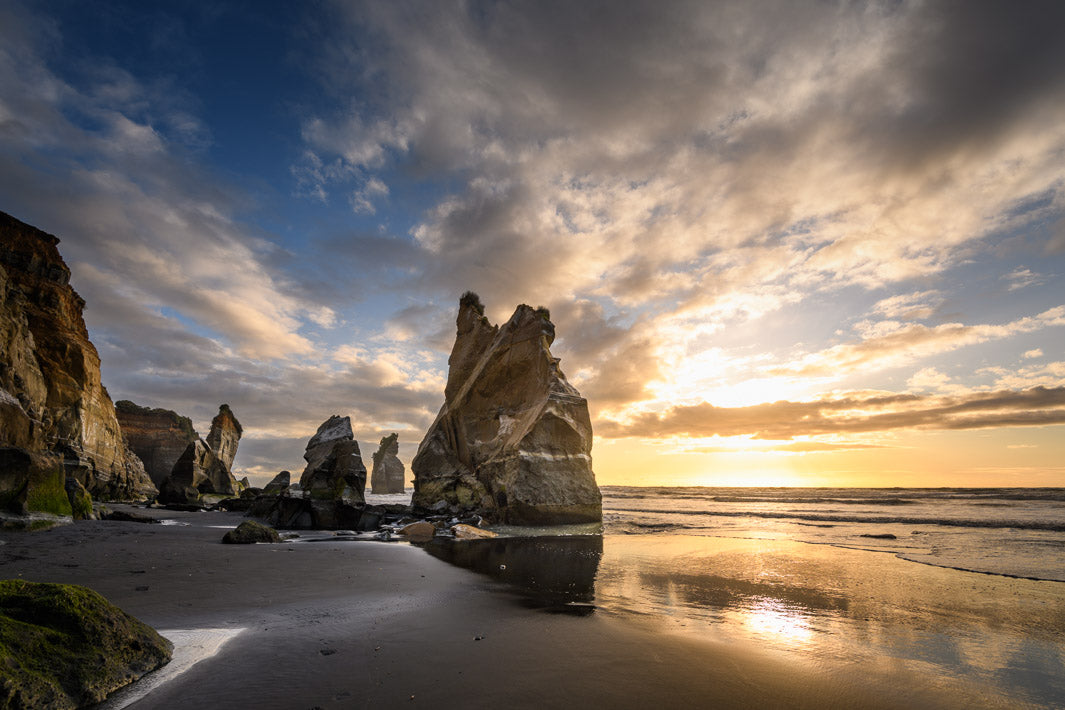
[
  {"x": 388, "y": 470},
  {"x": 157, "y": 436},
  {"x": 335, "y": 471},
  {"x": 51, "y": 399},
  {"x": 513, "y": 440},
  {"x": 225, "y": 435}
]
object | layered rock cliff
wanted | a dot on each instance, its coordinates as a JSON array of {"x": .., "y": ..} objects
[
  {"x": 158, "y": 436},
  {"x": 52, "y": 402},
  {"x": 388, "y": 471},
  {"x": 513, "y": 439}
]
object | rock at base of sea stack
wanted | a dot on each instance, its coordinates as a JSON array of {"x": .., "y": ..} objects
[
  {"x": 335, "y": 471},
  {"x": 52, "y": 402},
  {"x": 513, "y": 440},
  {"x": 388, "y": 471},
  {"x": 278, "y": 484}
]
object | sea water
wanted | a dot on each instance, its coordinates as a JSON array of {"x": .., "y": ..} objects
[{"x": 1017, "y": 532}]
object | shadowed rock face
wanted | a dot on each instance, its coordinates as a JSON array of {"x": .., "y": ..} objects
[
  {"x": 51, "y": 398},
  {"x": 513, "y": 439},
  {"x": 157, "y": 436},
  {"x": 388, "y": 470},
  {"x": 198, "y": 472},
  {"x": 335, "y": 471},
  {"x": 225, "y": 435}
]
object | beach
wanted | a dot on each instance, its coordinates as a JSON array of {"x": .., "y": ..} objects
[{"x": 595, "y": 621}]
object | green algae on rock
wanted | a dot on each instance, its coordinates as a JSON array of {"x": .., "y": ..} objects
[
  {"x": 249, "y": 532},
  {"x": 65, "y": 646}
]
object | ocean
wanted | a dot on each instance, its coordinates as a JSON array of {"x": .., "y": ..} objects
[{"x": 963, "y": 588}]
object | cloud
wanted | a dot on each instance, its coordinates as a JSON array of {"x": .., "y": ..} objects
[{"x": 856, "y": 413}]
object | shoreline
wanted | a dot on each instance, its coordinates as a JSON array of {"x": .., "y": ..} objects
[{"x": 371, "y": 624}]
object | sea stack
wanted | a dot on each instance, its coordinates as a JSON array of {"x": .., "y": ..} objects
[
  {"x": 388, "y": 470},
  {"x": 513, "y": 439},
  {"x": 225, "y": 435},
  {"x": 335, "y": 471},
  {"x": 158, "y": 436},
  {"x": 203, "y": 469},
  {"x": 56, "y": 419}
]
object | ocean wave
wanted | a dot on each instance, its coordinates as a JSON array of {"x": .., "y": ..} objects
[{"x": 817, "y": 517}]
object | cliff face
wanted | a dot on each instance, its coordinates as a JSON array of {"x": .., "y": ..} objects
[
  {"x": 388, "y": 470},
  {"x": 51, "y": 370},
  {"x": 158, "y": 436},
  {"x": 513, "y": 439}
]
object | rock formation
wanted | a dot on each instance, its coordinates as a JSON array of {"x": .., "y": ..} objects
[
  {"x": 158, "y": 436},
  {"x": 388, "y": 470},
  {"x": 65, "y": 646},
  {"x": 513, "y": 439},
  {"x": 52, "y": 403},
  {"x": 335, "y": 470},
  {"x": 198, "y": 472},
  {"x": 225, "y": 435},
  {"x": 278, "y": 484}
]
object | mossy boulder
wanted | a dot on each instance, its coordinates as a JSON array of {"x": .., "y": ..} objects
[
  {"x": 250, "y": 532},
  {"x": 80, "y": 500},
  {"x": 65, "y": 646}
]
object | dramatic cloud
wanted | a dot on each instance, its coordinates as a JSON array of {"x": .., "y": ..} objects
[{"x": 1038, "y": 406}]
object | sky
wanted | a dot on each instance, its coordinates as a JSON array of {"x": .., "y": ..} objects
[{"x": 783, "y": 243}]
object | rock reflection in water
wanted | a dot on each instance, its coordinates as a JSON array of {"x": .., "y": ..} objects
[{"x": 551, "y": 573}]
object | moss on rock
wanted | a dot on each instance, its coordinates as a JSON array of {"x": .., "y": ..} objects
[
  {"x": 65, "y": 646},
  {"x": 250, "y": 532}
]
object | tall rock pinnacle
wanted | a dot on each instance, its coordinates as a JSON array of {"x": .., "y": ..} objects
[{"x": 513, "y": 439}]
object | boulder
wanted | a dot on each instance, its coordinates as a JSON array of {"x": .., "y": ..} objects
[
  {"x": 65, "y": 646},
  {"x": 513, "y": 440},
  {"x": 335, "y": 471},
  {"x": 52, "y": 401},
  {"x": 249, "y": 532},
  {"x": 420, "y": 531},
  {"x": 388, "y": 471},
  {"x": 32, "y": 483},
  {"x": 225, "y": 435},
  {"x": 278, "y": 485},
  {"x": 158, "y": 436},
  {"x": 469, "y": 532},
  {"x": 198, "y": 472}
]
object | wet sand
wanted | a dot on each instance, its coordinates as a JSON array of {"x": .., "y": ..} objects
[{"x": 383, "y": 625}]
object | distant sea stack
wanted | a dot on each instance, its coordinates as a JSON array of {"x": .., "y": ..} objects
[
  {"x": 388, "y": 471},
  {"x": 513, "y": 440},
  {"x": 225, "y": 435},
  {"x": 158, "y": 436},
  {"x": 53, "y": 407},
  {"x": 335, "y": 471}
]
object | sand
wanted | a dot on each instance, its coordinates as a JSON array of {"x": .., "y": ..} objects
[{"x": 337, "y": 624}]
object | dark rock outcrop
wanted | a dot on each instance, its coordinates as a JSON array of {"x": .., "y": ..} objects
[
  {"x": 249, "y": 532},
  {"x": 388, "y": 470},
  {"x": 278, "y": 484},
  {"x": 335, "y": 471},
  {"x": 52, "y": 402},
  {"x": 64, "y": 646},
  {"x": 158, "y": 436},
  {"x": 225, "y": 435},
  {"x": 197, "y": 473},
  {"x": 513, "y": 439}
]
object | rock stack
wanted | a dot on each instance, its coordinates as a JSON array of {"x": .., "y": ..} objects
[
  {"x": 388, "y": 471},
  {"x": 513, "y": 440},
  {"x": 202, "y": 472},
  {"x": 335, "y": 471},
  {"x": 56, "y": 418}
]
